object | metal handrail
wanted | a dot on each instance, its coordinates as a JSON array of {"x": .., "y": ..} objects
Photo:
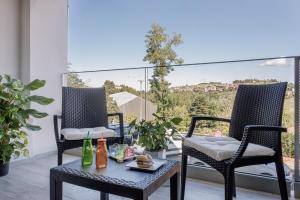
[
  {"x": 182, "y": 65},
  {"x": 296, "y": 118}
]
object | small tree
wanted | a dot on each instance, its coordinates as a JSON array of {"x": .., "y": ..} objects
[
  {"x": 112, "y": 107},
  {"x": 201, "y": 105},
  {"x": 161, "y": 54},
  {"x": 110, "y": 87},
  {"x": 74, "y": 80}
]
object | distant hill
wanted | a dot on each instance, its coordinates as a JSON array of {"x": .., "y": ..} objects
[{"x": 223, "y": 87}]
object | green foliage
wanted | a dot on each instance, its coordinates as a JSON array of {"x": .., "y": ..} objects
[
  {"x": 154, "y": 135},
  {"x": 15, "y": 100},
  {"x": 112, "y": 107},
  {"x": 73, "y": 80},
  {"x": 36, "y": 84},
  {"x": 40, "y": 100},
  {"x": 125, "y": 88},
  {"x": 288, "y": 144},
  {"x": 110, "y": 87},
  {"x": 129, "y": 117},
  {"x": 161, "y": 54},
  {"x": 202, "y": 105}
]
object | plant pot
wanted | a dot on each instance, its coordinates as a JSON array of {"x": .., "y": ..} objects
[
  {"x": 161, "y": 154},
  {"x": 4, "y": 168}
]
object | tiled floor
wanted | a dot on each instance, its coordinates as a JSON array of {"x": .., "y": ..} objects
[{"x": 29, "y": 180}]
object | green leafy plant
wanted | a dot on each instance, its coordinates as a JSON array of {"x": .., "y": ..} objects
[
  {"x": 15, "y": 111},
  {"x": 154, "y": 135},
  {"x": 288, "y": 144}
]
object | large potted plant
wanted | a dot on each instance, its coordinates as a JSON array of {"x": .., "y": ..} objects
[
  {"x": 15, "y": 112},
  {"x": 154, "y": 135}
]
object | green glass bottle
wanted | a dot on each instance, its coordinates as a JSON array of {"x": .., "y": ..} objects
[{"x": 87, "y": 152}]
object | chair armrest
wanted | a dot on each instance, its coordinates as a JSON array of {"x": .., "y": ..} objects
[
  {"x": 203, "y": 118},
  {"x": 55, "y": 122},
  {"x": 115, "y": 114},
  {"x": 209, "y": 118},
  {"x": 249, "y": 130},
  {"x": 121, "y": 122}
]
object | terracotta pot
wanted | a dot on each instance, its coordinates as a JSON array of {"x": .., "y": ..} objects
[{"x": 4, "y": 168}]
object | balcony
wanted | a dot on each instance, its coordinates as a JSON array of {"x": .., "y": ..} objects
[
  {"x": 131, "y": 96},
  {"x": 34, "y": 45}
]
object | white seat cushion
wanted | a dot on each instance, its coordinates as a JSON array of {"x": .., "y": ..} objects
[
  {"x": 222, "y": 148},
  {"x": 79, "y": 134}
]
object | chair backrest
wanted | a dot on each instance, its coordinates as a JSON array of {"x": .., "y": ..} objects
[
  {"x": 83, "y": 107},
  {"x": 258, "y": 105}
]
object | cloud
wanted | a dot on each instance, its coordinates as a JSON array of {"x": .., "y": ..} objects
[{"x": 276, "y": 62}]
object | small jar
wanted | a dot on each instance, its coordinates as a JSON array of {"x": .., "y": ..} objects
[
  {"x": 101, "y": 154},
  {"x": 87, "y": 152}
]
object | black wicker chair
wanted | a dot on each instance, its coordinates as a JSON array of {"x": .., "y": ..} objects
[
  {"x": 83, "y": 108},
  {"x": 256, "y": 119}
]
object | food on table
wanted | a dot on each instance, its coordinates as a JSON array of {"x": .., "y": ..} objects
[
  {"x": 129, "y": 152},
  {"x": 138, "y": 150},
  {"x": 120, "y": 152},
  {"x": 144, "y": 161}
]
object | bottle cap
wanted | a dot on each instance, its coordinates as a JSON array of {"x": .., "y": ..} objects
[{"x": 102, "y": 139}]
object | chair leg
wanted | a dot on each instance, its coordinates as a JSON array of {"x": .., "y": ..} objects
[
  {"x": 281, "y": 179},
  {"x": 183, "y": 175},
  {"x": 59, "y": 157},
  {"x": 228, "y": 178},
  {"x": 233, "y": 186}
]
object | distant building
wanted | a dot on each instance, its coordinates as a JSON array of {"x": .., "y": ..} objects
[
  {"x": 130, "y": 104},
  {"x": 210, "y": 88}
]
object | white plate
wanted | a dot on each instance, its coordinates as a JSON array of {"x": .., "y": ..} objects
[{"x": 156, "y": 164}]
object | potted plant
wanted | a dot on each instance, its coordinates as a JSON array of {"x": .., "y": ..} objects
[
  {"x": 15, "y": 111},
  {"x": 154, "y": 135}
]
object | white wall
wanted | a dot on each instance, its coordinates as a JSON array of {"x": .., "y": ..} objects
[
  {"x": 25, "y": 41},
  {"x": 9, "y": 37},
  {"x": 34, "y": 45},
  {"x": 48, "y": 60}
]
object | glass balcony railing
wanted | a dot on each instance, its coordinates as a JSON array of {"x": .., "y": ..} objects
[{"x": 200, "y": 88}]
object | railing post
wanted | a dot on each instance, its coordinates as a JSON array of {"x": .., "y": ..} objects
[
  {"x": 146, "y": 83},
  {"x": 296, "y": 117}
]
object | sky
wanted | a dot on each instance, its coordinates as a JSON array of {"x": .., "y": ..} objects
[{"x": 111, "y": 34}]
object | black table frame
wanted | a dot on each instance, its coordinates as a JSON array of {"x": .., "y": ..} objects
[{"x": 106, "y": 185}]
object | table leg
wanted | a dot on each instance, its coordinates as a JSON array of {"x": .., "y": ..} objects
[
  {"x": 104, "y": 196},
  {"x": 174, "y": 187},
  {"x": 140, "y": 196},
  {"x": 55, "y": 189}
]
